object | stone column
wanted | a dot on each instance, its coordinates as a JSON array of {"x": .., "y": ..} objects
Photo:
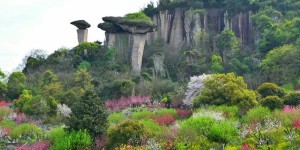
[
  {"x": 137, "y": 52},
  {"x": 82, "y": 35},
  {"x": 82, "y": 31}
]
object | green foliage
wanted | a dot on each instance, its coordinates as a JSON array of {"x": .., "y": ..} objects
[
  {"x": 49, "y": 77},
  {"x": 138, "y": 17},
  {"x": 292, "y": 99},
  {"x": 228, "y": 111},
  {"x": 55, "y": 134},
  {"x": 200, "y": 125},
  {"x": 226, "y": 89},
  {"x": 15, "y": 85},
  {"x": 223, "y": 132},
  {"x": 281, "y": 64},
  {"x": 84, "y": 65},
  {"x": 73, "y": 141},
  {"x": 270, "y": 89},
  {"x": 289, "y": 87},
  {"x": 26, "y": 132},
  {"x": 272, "y": 102},
  {"x": 257, "y": 114},
  {"x": 127, "y": 132},
  {"x": 88, "y": 113},
  {"x": 122, "y": 87},
  {"x": 153, "y": 128},
  {"x": 115, "y": 118},
  {"x": 145, "y": 114},
  {"x": 216, "y": 64},
  {"x": 83, "y": 80}
]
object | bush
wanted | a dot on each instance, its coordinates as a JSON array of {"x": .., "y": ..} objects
[
  {"x": 257, "y": 114},
  {"x": 228, "y": 111},
  {"x": 88, "y": 113},
  {"x": 121, "y": 88},
  {"x": 226, "y": 89},
  {"x": 153, "y": 128},
  {"x": 201, "y": 125},
  {"x": 115, "y": 118},
  {"x": 270, "y": 89},
  {"x": 292, "y": 99},
  {"x": 26, "y": 133},
  {"x": 145, "y": 114},
  {"x": 183, "y": 113},
  {"x": 127, "y": 132},
  {"x": 138, "y": 17},
  {"x": 272, "y": 102},
  {"x": 80, "y": 140},
  {"x": 44, "y": 145},
  {"x": 223, "y": 132},
  {"x": 164, "y": 112},
  {"x": 164, "y": 120},
  {"x": 55, "y": 134}
]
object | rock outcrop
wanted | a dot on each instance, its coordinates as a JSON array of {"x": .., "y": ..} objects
[
  {"x": 179, "y": 26},
  {"x": 82, "y": 31},
  {"x": 128, "y": 37}
]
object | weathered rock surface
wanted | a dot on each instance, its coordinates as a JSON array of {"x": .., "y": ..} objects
[
  {"x": 179, "y": 26},
  {"x": 81, "y": 24},
  {"x": 82, "y": 35}
]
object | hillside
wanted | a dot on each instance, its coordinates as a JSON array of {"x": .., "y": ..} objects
[{"x": 182, "y": 74}]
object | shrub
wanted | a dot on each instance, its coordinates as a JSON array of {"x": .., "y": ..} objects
[
  {"x": 127, "y": 132},
  {"x": 125, "y": 102},
  {"x": 4, "y": 112},
  {"x": 7, "y": 124},
  {"x": 223, "y": 132},
  {"x": 26, "y": 132},
  {"x": 228, "y": 111},
  {"x": 163, "y": 112},
  {"x": 153, "y": 128},
  {"x": 145, "y": 114},
  {"x": 43, "y": 145},
  {"x": 200, "y": 124},
  {"x": 226, "y": 89},
  {"x": 183, "y": 113},
  {"x": 122, "y": 87},
  {"x": 88, "y": 113},
  {"x": 115, "y": 118},
  {"x": 73, "y": 140},
  {"x": 272, "y": 102},
  {"x": 270, "y": 89},
  {"x": 164, "y": 120},
  {"x": 292, "y": 99},
  {"x": 55, "y": 134},
  {"x": 257, "y": 114},
  {"x": 138, "y": 17}
]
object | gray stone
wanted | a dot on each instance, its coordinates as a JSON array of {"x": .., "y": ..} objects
[
  {"x": 81, "y": 24},
  {"x": 137, "y": 52},
  {"x": 82, "y": 35}
]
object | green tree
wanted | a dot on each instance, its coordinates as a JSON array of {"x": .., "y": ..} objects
[
  {"x": 88, "y": 113},
  {"x": 83, "y": 80},
  {"x": 270, "y": 89},
  {"x": 3, "y": 86},
  {"x": 49, "y": 77},
  {"x": 216, "y": 64},
  {"x": 15, "y": 85},
  {"x": 226, "y": 89},
  {"x": 272, "y": 102}
]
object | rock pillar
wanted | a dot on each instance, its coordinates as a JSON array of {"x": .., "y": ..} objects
[
  {"x": 82, "y": 31},
  {"x": 137, "y": 52},
  {"x": 82, "y": 35}
]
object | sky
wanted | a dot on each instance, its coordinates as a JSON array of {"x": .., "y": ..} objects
[{"x": 26, "y": 25}]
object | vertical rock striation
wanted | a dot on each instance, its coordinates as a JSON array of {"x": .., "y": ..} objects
[{"x": 82, "y": 31}]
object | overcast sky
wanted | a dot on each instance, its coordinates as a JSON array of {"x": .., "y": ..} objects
[{"x": 45, "y": 24}]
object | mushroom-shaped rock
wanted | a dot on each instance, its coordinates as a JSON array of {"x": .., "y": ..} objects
[
  {"x": 81, "y": 24},
  {"x": 132, "y": 26}
]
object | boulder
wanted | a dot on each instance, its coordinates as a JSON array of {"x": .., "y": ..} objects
[{"x": 81, "y": 24}]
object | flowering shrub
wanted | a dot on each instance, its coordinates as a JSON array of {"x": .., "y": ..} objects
[
  {"x": 4, "y": 103},
  {"x": 183, "y": 113},
  {"x": 289, "y": 108},
  {"x": 20, "y": 118},
  {"x": 164, "y": 120},
  {"x": 64, "y": 110},
  {"x": 246, "y": 146},
  {"x": 44, "y": 145},
  {"x": 125, "y": 102},
  {"x": 296, "y": 124}
]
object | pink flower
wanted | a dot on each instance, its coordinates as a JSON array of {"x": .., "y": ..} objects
[
  {"x": 165, "y": 120},
  {"x": 296, "y": 123},
  {"x": 4, "y": 103},
  {"x": 182, "y": 113}
]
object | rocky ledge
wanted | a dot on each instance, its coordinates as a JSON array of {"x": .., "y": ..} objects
[
  {"x": 121, "y": 24},
  {"x": 81, "y": 24}
]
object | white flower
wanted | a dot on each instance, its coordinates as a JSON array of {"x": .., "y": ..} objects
[{"x": 64, "y": 110}]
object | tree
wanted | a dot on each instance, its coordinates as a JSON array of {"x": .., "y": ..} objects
[
  {"x": 270, "y": 89},
  {"x": 83, "y": 80},
  {"x": 49, "y": 77},
  {"x": 216, "y": 64},
  {"x": 15, "y": 85},
  {"x": 226, "y": 89},
  {"x": 3, "y": 86},
  {"x": 88, "y": 113}
]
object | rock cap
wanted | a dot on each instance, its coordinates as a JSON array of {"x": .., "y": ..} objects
[{"x": 81, "y": 24}]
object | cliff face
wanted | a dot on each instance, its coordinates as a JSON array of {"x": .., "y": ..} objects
[{"x": 179, "y": 26}]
